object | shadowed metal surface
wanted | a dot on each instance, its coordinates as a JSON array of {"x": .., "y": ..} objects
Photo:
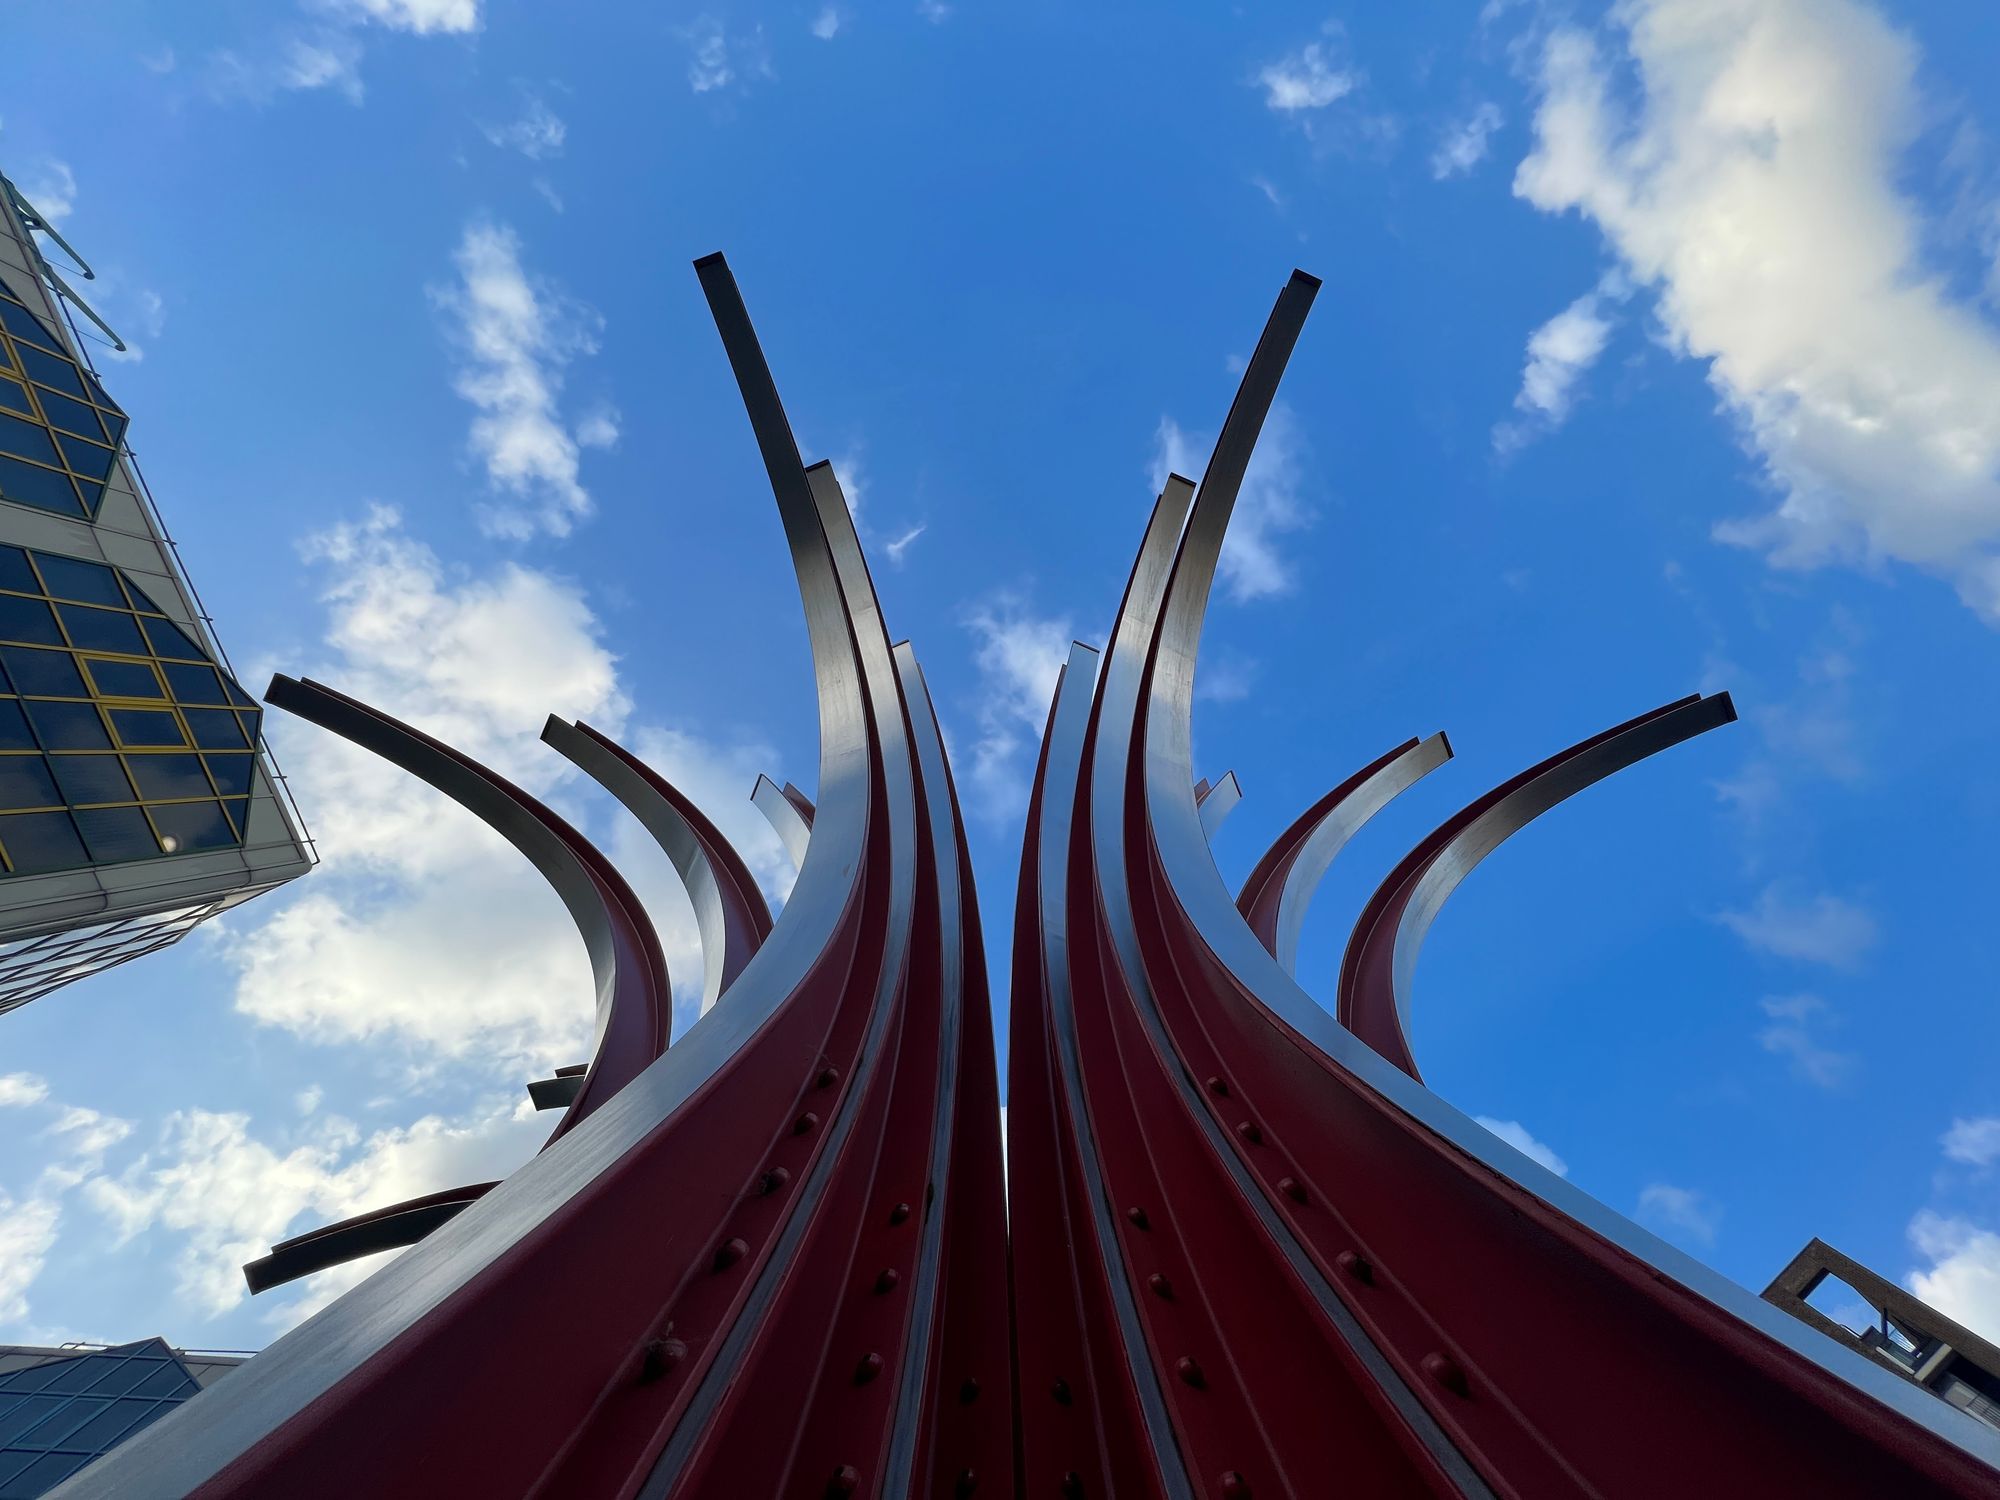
[
  {"x": 729, "y": 909},
  {"x": 1281, "y": 886}
]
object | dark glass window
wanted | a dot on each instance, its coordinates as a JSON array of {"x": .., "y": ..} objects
[
  {"x": 14, "y": 733},
  {"x": 25, "y": 1413},
  {"x": 102, "y": 629},
  {"x": 114, "y": 426},
  {"x": 44, "y": 489},
  {"x": 91, "y": 778},
  {"x": 215, "y": 729},
  {"x": 194, "y": 825},
  {"x": 112, "y": 833},
  {"x": 46, "y": 1472},
  {"x": 84, "y": 582},
  {"x": 41, "y": 841},
  {"x": 239, "y": 814},
  {"x": 169, "y": 1380},
  {"x": 68, "y": 726},
  {"x": 71, "y": 416},
  {"x": 51, "y": 370},
  {"x": 242, "y": 700},
  {"x": 104, "y": 1429},
  {"x": 28, "y": 620},
  {"x": 50, "y": 674},
  {"x": 124, "y": 679},
  {"x": 93, "y": 494},
  {"x": 25, "y": 782},
  {"x": 25, "y": 325},
  {"x": 191, "y": 684},
  {"x": 25, "y": 439},
  {"x": 92, "y": 460},
  {"x": 170, "y": 640},
  {"x": 141, "y": 600},
  {"x": 167, "y": 776},
  {"x": 148, "y": 726},
  {"x": 250, "y": 722},
  {"x": 15, "y": 572},
  {"x": 231, "y": 772},
  {"x": 14, "y": 395}
]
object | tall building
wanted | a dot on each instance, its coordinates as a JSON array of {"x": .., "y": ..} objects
[
  {"x": 61, "y": 1408},
  {"x": 135, "y": 800}
]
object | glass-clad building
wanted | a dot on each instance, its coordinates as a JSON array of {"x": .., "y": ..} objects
[
  {"x": 135, "y": 798},
  {"x": 61, "y": 1408}
]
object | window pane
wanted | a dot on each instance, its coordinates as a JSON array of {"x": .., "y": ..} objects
[
  {"x": 240, "y": 698},
  {"x": 124, "y": 679},
  {"x": 25, "y": 1414},
  {"x": 161, "y": 776},
  {"x": 199, "y": 685},
  {"x": 44, "y": 489},
  {"x": 46, "y": 1472},
  {"x": 231, "y": 772},
  {"x": 25, "y": 325},
  {"x": 14, "y": 395},
  {"x": 148, "y": 726},
  {"x": 114, "y": 833},
  {"x": 71, "y": 416},
  {"x": 15, "y": 572},
  {"x": 41, "y": 841},
  {"x": 26, "y": 439},
  {"x": 28, "y": 620},
  {"x": 169, "y": 1381},
  {"x": 92, "y": 460},
  {"x": 239, "y": 814},
  {"x": 250, "y": 723},
  {"x": 91, "y": 778},
  {"x": 50, "y": 674},
  {"x": 102, "y": 629},
  {"x": 14, "y": 733},
  {"x": 170, "y": 640},
  {"x": 104, "y": 1429},
  {"x": 68, "y": 726},
  {"x": 195, "y": 825},
  {"x": 85, "y": 582},
  {"x": 50, "y": 370},
  {"x": 25, "y": 782},
  {"x": 215, "y": 729}
]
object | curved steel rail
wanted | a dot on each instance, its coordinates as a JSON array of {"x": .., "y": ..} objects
[
  {"x": 729, "y": 909},
  {"x": 1382, "y": 953},
  {"x": 1218, "y": 801},
  {"x": 788, "y": 819},
  {"x": 388, "y": 1228},
  {"x": 1283, "y": 882}
]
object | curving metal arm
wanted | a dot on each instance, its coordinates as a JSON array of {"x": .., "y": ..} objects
[
  {"x": 379, "y": 1229},
  {"x": 1281, "y": 886},
  {"x": 792, "y": 825},
  {"x": 1382, "y": 953},
  {"x": 729, "y": 909},
  {"x": 1217, "y": 802}
]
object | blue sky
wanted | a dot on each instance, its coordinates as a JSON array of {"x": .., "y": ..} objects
[{"x": 1659, "y": 351}]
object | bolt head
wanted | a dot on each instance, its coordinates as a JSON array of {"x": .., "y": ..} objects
[
  {"x": 1060, "y": 1390},
  {"x": 868, "y": 1368},
  {"x": 1447, "y": 1372},
  {"x": 1189, "y": 1371},
  {"x": 1235, "y": 1486},
  {"x": 1218, "y": 1087},
  {"x": 968, "y": 1390},
  {"x": 1138, "y": 1218},
  {"x": 1161, "y": 1286},
  {"x": 1249, "y": 1131},
  {"x": 886, "y": 1281},
  {"x": 899, "y": 1213},
  {"x": 1292, "y": 1188},
  {"x": 828, "y": 1077},
  {"x": 844, "y": 1480},
  {"x": 805, "y": 1123},
  {"x": 729, "y": 1252},
  {"x": 774, "y": 1180}
]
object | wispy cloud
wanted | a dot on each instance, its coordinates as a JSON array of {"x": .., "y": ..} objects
[
  {"x": 896, "y": 547},
  {"x": 717, "y": 59},
  {"x": 1793, "y": 1033},
  {"x": 1963, "y": 1278},
  {"x": 1972, "y": 1143},
  {"x": 1680, "y": 1213},
  {"x": 1560, "y": 353},
  {"x": 537, "y": 132},
  {"x": 1515, "y": 1134},
  {"x": 1308, "y": 78},
  {"x": 1821, "y": 928},
  {"x": 827, "y": 23},
  {"x": 1462, "y": 145},
  {"x": 1019, "y": 655},
  {"x": 517, "y": 335},
  {"x": 51, "y": 187},
  {"x": 19, "y": 1089}
]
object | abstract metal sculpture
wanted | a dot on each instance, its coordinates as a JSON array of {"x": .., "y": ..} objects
[{"x": 1242, "y": 1251}]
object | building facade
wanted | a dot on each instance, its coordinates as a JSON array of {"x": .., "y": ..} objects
[
  {"x": 135, "y": 800},
  {"x": 61, "y": 1408}
]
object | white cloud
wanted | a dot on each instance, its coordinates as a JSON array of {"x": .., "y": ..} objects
[
  {"x": 327, "y": 59},
  {"x": 228, "y": 1195},
  {"x": 716, "y": 59},
  {"x": 420, "y": 925},
  {"x": 896, "y": 547},
  {"x": 1976, "y": 1143},
  {"x": 598, "y": 427},
  {"x": 52, "y": 189},
  {"x": 1755, "y": 186},
  {"x": 308, "y": 1099},
  {"x": 1793, "y": 1035},
  {"x": 826, "y": 25},
  {"x": 934, "y": 11},
  {"x": 1270, "y": 191},
  {"x": 1963, "y": 1279},
  {"x": 537, "y": 133},
  {"x": 1307, "y": 79},
  {"x": 1560, "y": 353},
  {"x": 1680, "y": 1212},
  {"x": 517, "y": 336},
  {"x": 27, "y": 1234},
  {"x": 1821, "y": 929},
  {"x": 1019, "y": 658},
  {"x": 421, "y": 17},
  {"x": 20, "y": 1089},
  {"x": 1254, "y": 561},
  {"x": 1462, "y": 145},
  {"x": 162, "y": 61},
  {"x": 1516, "y": 1135}
]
